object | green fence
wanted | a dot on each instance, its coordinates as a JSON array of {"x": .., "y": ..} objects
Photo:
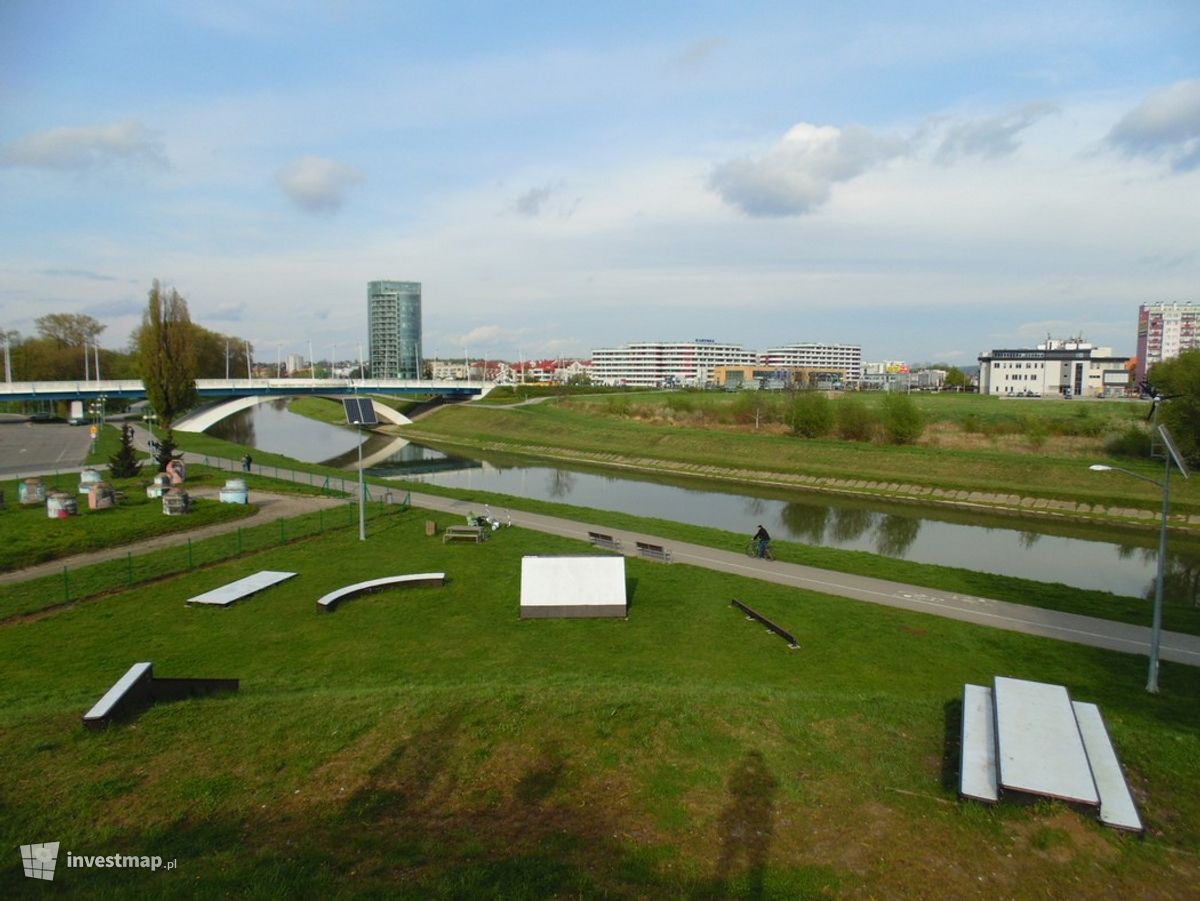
[{"x": 74, "y": 584}]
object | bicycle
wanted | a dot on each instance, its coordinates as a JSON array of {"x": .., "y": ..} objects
[{"x": 752, "y": 550}]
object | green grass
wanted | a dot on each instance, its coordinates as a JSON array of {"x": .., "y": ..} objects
[
  {"x": 557, "y": 429},
  {"x": 28, "y": 536},
  {"x": 1178, "y": 614},
  {"x": 77, "y": 582},
  {"x": 428, "y": 743}
]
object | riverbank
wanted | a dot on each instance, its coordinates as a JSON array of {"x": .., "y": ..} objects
[{"x": 994, "y": 481}]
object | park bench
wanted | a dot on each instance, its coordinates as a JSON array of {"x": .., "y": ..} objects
[
  {"x": 599, "y": 539},
  {"x": 139, "y": 688},
  {"x": 328, "y": 602},
  {"x": 654, "y": 551},
  {"x": 476, "y": 534}
]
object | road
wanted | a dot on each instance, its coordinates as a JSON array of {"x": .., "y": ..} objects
[{"x": 1084, "y": 630}]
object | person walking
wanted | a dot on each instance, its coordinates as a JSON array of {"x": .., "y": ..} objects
[
  {"x": 764, "y": 541},
  {"x": 246, "y": 461}
]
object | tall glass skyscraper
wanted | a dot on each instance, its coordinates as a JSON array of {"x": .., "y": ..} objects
[{"x": 394, "y": 329}]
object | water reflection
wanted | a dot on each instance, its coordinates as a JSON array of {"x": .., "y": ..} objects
[
  {"x": 850, "y": 524},
  {"x": 805, "y": 522},
  {"x": 561, "y": 483},
  {"x": 270, "y": 426},
  {"x": 896, "y": 534}
]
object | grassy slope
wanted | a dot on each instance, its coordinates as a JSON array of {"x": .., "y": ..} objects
[
  {"x": 428, "y": 742},
  {"x": 575, "y": 429}
]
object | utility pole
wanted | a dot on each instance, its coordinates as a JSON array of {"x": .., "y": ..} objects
[
  {"x": 7, "y": 357},
  {"x": 249, "y": 373},
  {"x": 226, "y": 359}
]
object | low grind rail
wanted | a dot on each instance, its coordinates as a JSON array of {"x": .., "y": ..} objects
[{"x": 771, "y": 627}]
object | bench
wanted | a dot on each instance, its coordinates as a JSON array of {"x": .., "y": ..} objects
[
  {"x": 242, "y": 588},
  {"x": 771, "y": 627},
  {"x": 328, "y": 602},
  {"x": 601, "y": 540},
  {"x": 655, "y": 551},
  {"x": 477, "y": 534},
  {"x": 138, "y": 688}
]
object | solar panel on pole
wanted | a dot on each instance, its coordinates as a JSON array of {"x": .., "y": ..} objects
[{"x": 360, "y": 411}]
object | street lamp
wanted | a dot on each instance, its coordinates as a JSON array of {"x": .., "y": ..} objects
[{"x": 1165, "y": 485}]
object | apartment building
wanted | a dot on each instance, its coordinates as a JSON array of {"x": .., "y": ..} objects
[
  {"x": 1164, "y": 331},
  {"x": 658, "y": 363}
]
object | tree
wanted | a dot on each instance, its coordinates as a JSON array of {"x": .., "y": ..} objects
[
  {"x": 902, "y": 421},
  {"x": 69, "y": 329},
  {"x": 124, "y": 464},
  {"x": 164, "y": 451},
  {"x": 956, "y": 378},
  {"x": 1179, "y": 379},
  {"x": 167, "y": 355}
]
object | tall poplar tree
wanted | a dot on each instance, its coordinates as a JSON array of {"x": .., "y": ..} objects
[{"x": 167, "y": 354}]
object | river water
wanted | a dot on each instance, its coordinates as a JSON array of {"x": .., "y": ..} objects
[{"x": 1087, "y": 557}]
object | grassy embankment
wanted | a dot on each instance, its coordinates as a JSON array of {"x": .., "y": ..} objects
[
  {"x": 1179, "y": 614},
  {"x": 427, "y": 742},
  {"x": 611, "y": 431}
]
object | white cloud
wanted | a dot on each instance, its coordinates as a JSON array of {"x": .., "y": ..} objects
[
  {"x": 798, "y": 174},
  {"x": 489, "y": 336},
  {"x": 991, "y": 137},
  {"x": 318, "y": 184},
  {"x": 81, "y": 147},
  {"x": 1164, "y": 125}
]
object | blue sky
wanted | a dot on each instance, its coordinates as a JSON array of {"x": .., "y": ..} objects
[{"x": 926, "y": 180}]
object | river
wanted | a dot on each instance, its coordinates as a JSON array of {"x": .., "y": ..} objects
[{"x": 1083, "y": 556}]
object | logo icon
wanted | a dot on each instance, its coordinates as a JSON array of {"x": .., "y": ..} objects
[{"x": 39, "y": 860}]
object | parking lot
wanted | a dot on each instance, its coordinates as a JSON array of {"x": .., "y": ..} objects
[{"x": 29, "y": 447}]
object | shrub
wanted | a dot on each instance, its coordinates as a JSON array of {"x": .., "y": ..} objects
[
  {"x": 970, "y": 423},
  {"x": 855, "y": 422},
  {"x": 902, "y": 421},
  {"x": 1134, "y": 441},
  {"x": 812, "y": 415}
]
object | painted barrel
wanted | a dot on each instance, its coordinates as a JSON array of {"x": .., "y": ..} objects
[
  {"x": 60, "y": 505},
  {"x": 175, "y": 502},
  {"x": 101, "y": 496},
  {"x": 87, "y": 479},
  {"x": 234, "y": 492},
  {"x": 160, "y": 484},
  {"x": 176, "y": 471},
  {"x": 32, "y": 491}
]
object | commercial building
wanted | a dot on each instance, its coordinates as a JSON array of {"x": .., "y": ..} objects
[
  {"x": 655, "y": 363},
  {"x": 846, "y": 358},
  {"x": 394, "y": 329},
  {"x": 1164, "y": 331},
  {"x": 1072, "y": 368}
]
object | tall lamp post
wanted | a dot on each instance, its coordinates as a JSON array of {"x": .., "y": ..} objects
[{"x": 1156, "y": 628}]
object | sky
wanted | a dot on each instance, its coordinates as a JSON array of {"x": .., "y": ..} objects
[{"x": 926, "y": 180}]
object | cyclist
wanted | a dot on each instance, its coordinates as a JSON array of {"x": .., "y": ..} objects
[{"x": 764, "y": 541}]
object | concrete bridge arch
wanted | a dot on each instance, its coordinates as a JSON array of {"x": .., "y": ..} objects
[{"x": 204, "y": 417}]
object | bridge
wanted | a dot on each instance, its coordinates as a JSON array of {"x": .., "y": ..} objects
[{"x": 228, "y": 396}]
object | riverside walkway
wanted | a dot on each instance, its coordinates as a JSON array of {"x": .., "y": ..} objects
[{"x": 1085, "y": 630}]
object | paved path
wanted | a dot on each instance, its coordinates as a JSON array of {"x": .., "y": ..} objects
[
  {"x": 270, "y": 508},
  {"x": 1085, "y": 630}
]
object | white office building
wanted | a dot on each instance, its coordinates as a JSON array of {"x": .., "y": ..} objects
[
  {"x": 843, "y": 358},
  {"x": 655, "y": 364},
  {"x": 1072, "y": 368}
]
